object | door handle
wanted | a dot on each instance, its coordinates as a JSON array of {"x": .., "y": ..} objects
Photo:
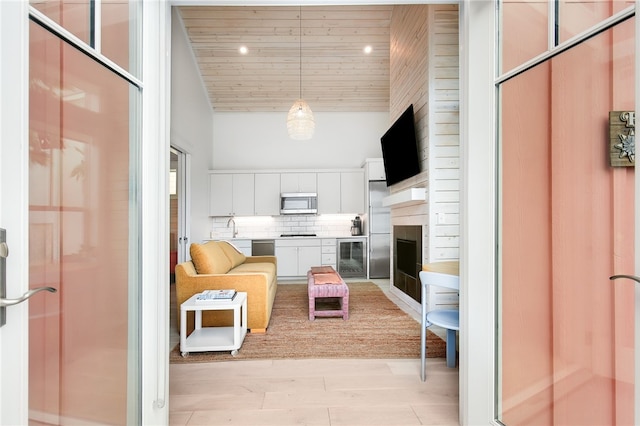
[
  {"x": 27, "y": 295},
  {"x": 631, "y": 277},
  {"x": 4, "y": 253}
]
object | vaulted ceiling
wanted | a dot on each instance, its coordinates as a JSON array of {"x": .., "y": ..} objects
[{"x": 328, "y": 63}]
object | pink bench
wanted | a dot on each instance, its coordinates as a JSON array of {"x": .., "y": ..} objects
[{"x": 337, "y": 289}]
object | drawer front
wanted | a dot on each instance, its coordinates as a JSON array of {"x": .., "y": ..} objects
[
  {"x": 329, "y": 242},
  {"x": 329, "y": 249},
  {"x": 329, "y": 259},
  {"x": 298, "y": 242}
]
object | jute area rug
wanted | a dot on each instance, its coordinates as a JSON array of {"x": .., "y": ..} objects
[{"x": 376, "y": 328}]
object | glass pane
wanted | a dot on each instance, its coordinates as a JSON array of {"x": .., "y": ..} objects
[
  {"x": 74, "y": 15},
  {"x": 119, "y": 38},
  {"x": 80, "y": 207},
  {"x": 567, "y": 221},
  {"x": 524, "y": 31},
  {"x": 576, "y": 16}
]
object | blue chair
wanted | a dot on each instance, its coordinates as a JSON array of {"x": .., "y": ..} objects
[{"x": 448, "y": 319}]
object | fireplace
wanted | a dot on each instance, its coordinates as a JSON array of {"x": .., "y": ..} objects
[{"x": 407, "y": 260}]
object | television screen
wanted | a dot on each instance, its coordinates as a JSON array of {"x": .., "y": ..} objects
[{"x": 400, "y": 149}]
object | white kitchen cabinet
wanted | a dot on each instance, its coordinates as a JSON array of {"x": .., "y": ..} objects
[
  {"x": 329, "y": 193},
  {"x": 287, "y": 260},
  {"x": 308, "y": 257},
  {"x": 341, "y": 192},
  {"x": 297, "y": 255},
  {"x": 298, "y": 182},
  {"x": 241, "y": 244},
  {"x": 352, "y": 192},
  {"x": 231, "y": 194},
  {"x": 220, "y": 195},
  {"x": 243, "y": 194},
  {"x": 267, "y": 194},
  {"x": 329, "y": 252},
  {"x": 375, "y": 169}
]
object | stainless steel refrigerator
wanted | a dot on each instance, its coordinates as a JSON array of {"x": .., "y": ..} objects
[{"x": 379, "y": 231}]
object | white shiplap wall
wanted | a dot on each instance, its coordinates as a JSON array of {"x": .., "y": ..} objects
[
  {"x": 444, "y": 134},
  {"x": 431, "y": 83}
]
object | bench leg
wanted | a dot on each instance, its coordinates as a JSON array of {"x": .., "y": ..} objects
[
  {"x": 312, "y": 308},
  {"x": 451, "y": 348},
  {"x": 345, "y": 307}
]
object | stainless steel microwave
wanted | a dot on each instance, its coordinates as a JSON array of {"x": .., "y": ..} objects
[{"x": 298, "y": 203}]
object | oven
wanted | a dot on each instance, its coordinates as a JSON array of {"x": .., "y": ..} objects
[{"x": 352, "y": 257}]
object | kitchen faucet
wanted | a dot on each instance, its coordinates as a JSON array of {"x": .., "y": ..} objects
[{"x": 235, "y": 231}]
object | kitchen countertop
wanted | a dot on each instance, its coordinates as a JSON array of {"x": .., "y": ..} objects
[
  {"x": 299, "y": 237},
  {"x": 278, "y": 237}
]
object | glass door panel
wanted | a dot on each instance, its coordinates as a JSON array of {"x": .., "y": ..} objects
[
  {"x": 566, "y": 332},
  {"x": 75, "y": 16},
  {"x": 80, "y": 207},
  {"x": 523, "y": 32},
  {"x": 576, "y": 16},
  {"x": 120, "y": 34}
]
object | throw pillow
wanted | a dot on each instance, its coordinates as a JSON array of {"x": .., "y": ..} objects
[
  {"x": 235, "y": 256},
  {"x": 209, "y": 258}
]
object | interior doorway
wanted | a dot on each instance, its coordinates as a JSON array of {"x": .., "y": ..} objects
[{"x": 178, "y": 196}]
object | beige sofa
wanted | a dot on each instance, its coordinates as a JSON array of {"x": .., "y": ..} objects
[{"x": 219, "y": 265}]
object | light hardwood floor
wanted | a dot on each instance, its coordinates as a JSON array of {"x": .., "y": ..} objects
[{"x": 313, "y": 392}]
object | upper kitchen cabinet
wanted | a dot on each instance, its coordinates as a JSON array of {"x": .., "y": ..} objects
[
  {"x": 267, "y": 194},
  {"x": 231, "y": 194},
  {"x": 374, "y": 169},
  {"x": 341, "y": 192},
  {"x": 298, "y": 182},
  {"x": 352, "y": 192},
  {"x": 329, "y": 193}
]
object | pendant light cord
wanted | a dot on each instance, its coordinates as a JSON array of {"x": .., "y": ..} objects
[{"x": 300, "y": 48}]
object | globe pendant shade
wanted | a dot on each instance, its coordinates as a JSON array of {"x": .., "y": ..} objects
[{"x": 300, "y": 122}]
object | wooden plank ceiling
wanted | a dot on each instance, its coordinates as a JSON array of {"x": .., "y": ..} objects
[{"x": 328, "y": 59}]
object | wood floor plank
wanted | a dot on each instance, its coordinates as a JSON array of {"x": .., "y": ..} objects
[{"x": 322, "y": 392}]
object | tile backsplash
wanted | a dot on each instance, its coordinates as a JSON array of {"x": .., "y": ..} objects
[{"x": 272, "y": 226}]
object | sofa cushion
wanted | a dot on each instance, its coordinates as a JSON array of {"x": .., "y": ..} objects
[
  {"x": 209, "y": 258},
  {"x": 235, "y": 256},
  {"x": 264, "y": 267}
]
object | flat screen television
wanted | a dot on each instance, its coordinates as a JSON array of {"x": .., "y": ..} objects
[{"x": 400, "y": 149}]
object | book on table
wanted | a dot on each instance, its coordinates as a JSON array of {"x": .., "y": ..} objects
[{"x": 216, "y": 295}]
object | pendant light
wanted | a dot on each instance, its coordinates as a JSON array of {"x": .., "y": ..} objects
[{"x": 300, "y": 122}]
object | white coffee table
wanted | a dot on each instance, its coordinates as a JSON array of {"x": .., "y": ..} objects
[{"x": 204, "y": 339}]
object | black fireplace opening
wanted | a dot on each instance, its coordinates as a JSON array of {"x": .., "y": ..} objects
[{"x": 407, "y": 260}]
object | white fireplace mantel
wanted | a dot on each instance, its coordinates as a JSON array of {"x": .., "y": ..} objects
[{"x": 405, "y": 197}]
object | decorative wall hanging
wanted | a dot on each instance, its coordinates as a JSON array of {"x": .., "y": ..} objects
[{"x": 622, "y": 138}]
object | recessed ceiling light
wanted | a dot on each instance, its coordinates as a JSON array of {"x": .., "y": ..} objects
[
  {"x": 243, "y": 50},
  {"x": 368, "y": 49}
]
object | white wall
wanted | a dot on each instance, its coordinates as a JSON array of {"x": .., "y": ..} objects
[
  {"x": 191, "y": 125},
  {"x": 257, "y": 141}
]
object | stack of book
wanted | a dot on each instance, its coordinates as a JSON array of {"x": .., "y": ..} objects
[{"x": 216, "y": 295}]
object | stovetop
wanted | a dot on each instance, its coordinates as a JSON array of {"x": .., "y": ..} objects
[{"x": 299, "y": 235}]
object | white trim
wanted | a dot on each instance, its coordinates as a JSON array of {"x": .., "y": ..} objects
[
  {"x": 478, "y": 211},
  {"x": 185, "y": 202},
  {"x": 14, "y": 206},
  {"x": 156, "y": 46}
]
